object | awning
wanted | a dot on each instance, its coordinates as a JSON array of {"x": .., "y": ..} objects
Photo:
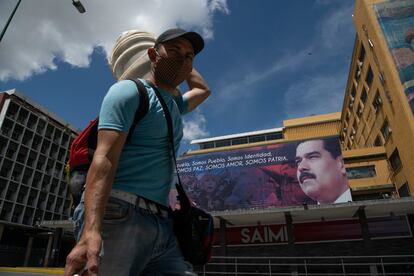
[{"x": 373, "y": 208}]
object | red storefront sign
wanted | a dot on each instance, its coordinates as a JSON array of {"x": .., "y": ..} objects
[{"x": 339, "y": 230}]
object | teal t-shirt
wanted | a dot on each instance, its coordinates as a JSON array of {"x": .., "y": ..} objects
[{"x": 145, "y": 167}]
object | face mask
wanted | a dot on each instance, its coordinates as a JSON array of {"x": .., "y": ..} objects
[{"x": 171, "y": 70}]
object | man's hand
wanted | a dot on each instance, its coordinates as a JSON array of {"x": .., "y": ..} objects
[
  {"x": 84, "y": 257},
  {"x": 198, "y": 90}
]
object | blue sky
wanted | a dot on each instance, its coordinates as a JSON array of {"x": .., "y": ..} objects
[{"x": 264, "y": 60}]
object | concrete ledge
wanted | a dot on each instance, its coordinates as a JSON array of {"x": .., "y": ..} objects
[{"x": 45, "y": 270}]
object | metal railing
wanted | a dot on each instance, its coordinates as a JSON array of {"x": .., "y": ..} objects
[{"x": 389, "y": 265}]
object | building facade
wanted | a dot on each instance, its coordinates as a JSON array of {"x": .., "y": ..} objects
[
  {"x": 34, "y": 148},
  {"x": 378, "y": 103}
]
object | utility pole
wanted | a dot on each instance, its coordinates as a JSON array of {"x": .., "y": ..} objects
[{"x": 9, "y": 20}]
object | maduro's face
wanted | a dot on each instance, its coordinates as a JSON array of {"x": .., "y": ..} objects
[{"x": 320, "y": 175}]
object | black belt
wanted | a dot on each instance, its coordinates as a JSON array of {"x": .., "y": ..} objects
[{"x": 143, "y": 203}]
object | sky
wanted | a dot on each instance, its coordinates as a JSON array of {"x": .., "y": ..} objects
[{"x": 265, "y": 61}]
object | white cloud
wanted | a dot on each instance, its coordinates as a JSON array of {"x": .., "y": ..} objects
[
  {"x": 43, "y": 31},
  {"x": 315, "y": 95},
  {"x": 195, "y": 128},
  {"x": 337, "y": 26},
  {"x": 287, "y": 62}
]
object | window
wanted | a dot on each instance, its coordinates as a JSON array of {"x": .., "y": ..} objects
[
  {"x": 404, "y": 190},
  {"x": 12, "y": 110},
  {"x": 386, "y": 130},
  {"x": 257, "y": 138},
  {"x": 353, "y": 91},
  {"x": 364, "y": 96},
  {"x": 395, "y": 160},
  {"x": 223, "y": 143},
  {"x": 344, "y": 130},
  {"x": 361, "y": 54},
  {"x": 358, "y": 72},
  {"x": 354, "y": 127},
  {"x": 274, "y": 136},
  {"x": 377, "y": 102},
  {"x": 381, "y": 78},
  {"x": 361, "y": 172},
  {"x": 7, "y": 127},
  {"x": 359, "y": 110},
  {"x": 378, "y": 141},
  {"x": 239, "y": 141},
  {"x": 369, "y": 77}
]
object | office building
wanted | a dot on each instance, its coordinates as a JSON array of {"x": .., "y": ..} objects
[
  {"x": 378, "y": 106},
  {"x": 34, "y": 148}
]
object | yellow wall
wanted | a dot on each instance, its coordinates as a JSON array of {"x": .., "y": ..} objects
[
  {"x": 395, "y": 108},
  {"x": 365, "y": 157},
  {"x": 312, "y": 126}
]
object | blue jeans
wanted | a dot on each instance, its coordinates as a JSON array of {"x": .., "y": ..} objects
[{"x": 136, "y": 242}]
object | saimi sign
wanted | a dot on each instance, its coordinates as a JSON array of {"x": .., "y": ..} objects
[
  {"x": 265, "y": 234},
  {"x": 338, "y": 230},
  {"x": 285, "y": 174}
]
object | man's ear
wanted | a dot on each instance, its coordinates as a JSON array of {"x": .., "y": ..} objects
[
  {"x": 341, "y": 165},
  {"x": 152, "y": 54}
]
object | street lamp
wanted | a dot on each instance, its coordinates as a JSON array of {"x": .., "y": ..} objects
[
  {"x": 9, "y": 20},
  {"x": 78, "y": 5}
]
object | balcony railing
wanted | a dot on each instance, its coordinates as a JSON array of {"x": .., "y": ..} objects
[{"x": 310, "y": 266}]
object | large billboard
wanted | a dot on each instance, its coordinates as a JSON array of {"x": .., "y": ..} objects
[
  {"x": 278, "y": 175},
  {"x": 397, "y": 23}
]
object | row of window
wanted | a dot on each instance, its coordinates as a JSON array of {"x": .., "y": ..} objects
[
  {"x": 242, "y": 140},
  {"x": 34, "y": 141},
  {"x": 361, "y": 172},
  {"x": 19, "y": 120},
  {"x": 29, "y": 216}
]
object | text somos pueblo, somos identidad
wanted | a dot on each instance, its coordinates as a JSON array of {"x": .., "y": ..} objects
[{"x": 230, "y": 162}]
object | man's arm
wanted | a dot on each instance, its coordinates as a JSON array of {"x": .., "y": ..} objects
[
  {"x": 198, "y": 90},
  {"x": 98, "y": 186}
]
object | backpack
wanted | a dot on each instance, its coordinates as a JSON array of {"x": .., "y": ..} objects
[{"x": 84, "y": 146}]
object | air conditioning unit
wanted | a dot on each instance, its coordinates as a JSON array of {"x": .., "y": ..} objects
[
  {"x": 371, "y": 45},
  {"x": 379, "y": 100},
  {"x": 381, "y": 78},
  {"x": 386, "y": 195}
]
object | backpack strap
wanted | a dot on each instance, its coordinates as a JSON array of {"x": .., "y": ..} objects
[{"x": 142, "y": 108}]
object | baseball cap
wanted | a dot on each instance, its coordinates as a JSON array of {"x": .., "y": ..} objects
[{"x": 195, "y": 39}]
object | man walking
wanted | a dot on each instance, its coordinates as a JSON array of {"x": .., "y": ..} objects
[{"x": 127, "y": 187}]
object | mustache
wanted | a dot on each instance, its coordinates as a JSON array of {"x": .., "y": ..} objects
[{"x": 306, "y": 174}]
